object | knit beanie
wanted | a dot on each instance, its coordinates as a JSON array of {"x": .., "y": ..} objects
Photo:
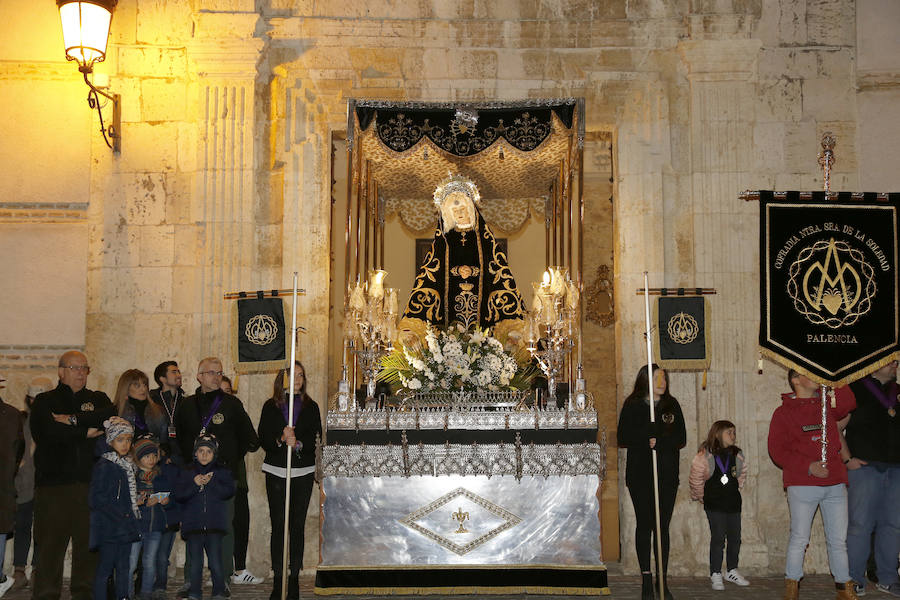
[
  {"x": 116, "y": 426},
  {"x": 143, "y": 447},
  {"x": 209, "y": 441}
]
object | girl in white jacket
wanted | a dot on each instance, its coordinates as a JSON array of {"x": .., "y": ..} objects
[{"x": 718, "y": 473}]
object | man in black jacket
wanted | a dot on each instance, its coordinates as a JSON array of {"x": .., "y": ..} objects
[
  {"x": 65, "y": 423},
  {"x": 873, "y": 470},
  {"x": 168, "y": 396},
  {"x": 213, "y": 411}
]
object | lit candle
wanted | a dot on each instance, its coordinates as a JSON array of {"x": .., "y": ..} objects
[
  {"x": 392, "y": 301},
  {"x": 376, "y": 288},
  {"x": 357, "y": 299},
  {"x": 572, "y": 295}
]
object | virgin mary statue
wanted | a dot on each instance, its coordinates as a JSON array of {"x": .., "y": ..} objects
[{"x": 465, "y": 277}]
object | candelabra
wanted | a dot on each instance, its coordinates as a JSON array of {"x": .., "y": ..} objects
[
  {"x": 552, "y": 324},
  {"x": 371, "y": 322}
]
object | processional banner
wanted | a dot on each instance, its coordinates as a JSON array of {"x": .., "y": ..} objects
[
  {"x": 682, "y": 332},
  {"x": 259, "y": 329},
  {"x": 829, "y": 283}
]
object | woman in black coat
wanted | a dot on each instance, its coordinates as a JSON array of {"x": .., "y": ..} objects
[
  {"x": 277, "y": 437},
  {"x": 667, "y": 435}
]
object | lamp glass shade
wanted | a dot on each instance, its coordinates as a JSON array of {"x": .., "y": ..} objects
[{"x": 85, "y": 28}]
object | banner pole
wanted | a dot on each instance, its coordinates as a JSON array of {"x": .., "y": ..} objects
[
  {"x": 288, "y": 449},
  {"x": 650, "y": 378},
  {"x": 823, "y": 391}
]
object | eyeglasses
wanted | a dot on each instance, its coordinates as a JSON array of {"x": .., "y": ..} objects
[
  {"x": 78, "y": 368},
  {"x": 216, "y": 373}
]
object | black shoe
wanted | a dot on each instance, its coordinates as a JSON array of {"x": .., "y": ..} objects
[
  {"x": 667, "y": 593},
  {"x": 276, "y": 587},
  {"x": 646, "y": 586},
  {"x": 293, "y": 591}
]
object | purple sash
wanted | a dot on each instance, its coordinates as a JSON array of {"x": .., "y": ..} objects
[
  {"x": 284, "y": 410},
  {"x": 887, "y": 399},
  {"x": 724, "y": 467},
  {"x": 212, "y": 411}
]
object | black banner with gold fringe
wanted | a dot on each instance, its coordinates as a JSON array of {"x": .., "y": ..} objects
[
  {"x": 682, "y": 332},
  {"x": 260, "y": 333},
  {"x": 829, "y": 283}
]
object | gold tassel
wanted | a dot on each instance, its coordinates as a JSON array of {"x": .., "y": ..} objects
[
  {"x": 703, "y": 384},
  {"x": 759, "y": 364}
]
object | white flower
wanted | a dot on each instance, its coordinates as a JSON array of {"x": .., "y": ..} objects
[
  {"x": 418, "y": 364},
  {"x": 414, "y": 384},
  {"x": 429, "y": 374}
]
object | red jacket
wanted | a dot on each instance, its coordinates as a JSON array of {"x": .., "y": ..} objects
[{"x": 795, "y": 438}]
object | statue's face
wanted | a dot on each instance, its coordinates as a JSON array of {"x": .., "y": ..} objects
[{"x": 459, "y": 205}]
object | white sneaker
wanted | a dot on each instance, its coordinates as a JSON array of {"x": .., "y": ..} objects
[
  {"x": 245, "y": 577},
  {"x": 736, "y": 578},
  {"x": 716, "y": 579},
  {"x": 4, "y": 587}
]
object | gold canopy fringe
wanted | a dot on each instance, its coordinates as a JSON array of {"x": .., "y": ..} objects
[
  {"x": 789, "y": 364},
  {"x": 463, "y": 591}
]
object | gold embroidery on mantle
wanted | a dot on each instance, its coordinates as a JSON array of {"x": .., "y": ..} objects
[
  {"x": 465, "y": 271},
  {"x": 466, "y": 306},
  {"x": 423, "y": 298}
]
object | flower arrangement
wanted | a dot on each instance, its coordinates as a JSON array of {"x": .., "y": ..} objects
[{"x": 456, "y": 359}]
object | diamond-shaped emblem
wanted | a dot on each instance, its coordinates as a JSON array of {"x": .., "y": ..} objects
[{"x": 461, "y": 520}]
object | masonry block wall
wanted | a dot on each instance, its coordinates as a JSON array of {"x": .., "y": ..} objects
[{"x": 223, "y": 182}]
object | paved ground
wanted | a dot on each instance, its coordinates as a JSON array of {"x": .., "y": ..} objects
[{"x": 816, "y": 587}]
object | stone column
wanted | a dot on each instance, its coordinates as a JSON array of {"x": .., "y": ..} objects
[{"x": 722, "y": 78}]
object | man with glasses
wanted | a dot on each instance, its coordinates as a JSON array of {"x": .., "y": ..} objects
[
  {"x": 213, "y": 411},
  {"x": 65, "y": 423}
]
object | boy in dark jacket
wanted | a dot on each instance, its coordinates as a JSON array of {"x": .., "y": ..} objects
[
  {"x": 153, "y": 489},
  {"x": 114, "y": 510},
  {"x": 202, "y": 491}
]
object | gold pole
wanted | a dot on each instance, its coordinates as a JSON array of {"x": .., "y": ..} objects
[{"x": 364, "y": 190}]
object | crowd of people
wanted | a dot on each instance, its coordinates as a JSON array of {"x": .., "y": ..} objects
[
  {"x": 120, "y": 480},
  {"x": 854, "y": 482}
]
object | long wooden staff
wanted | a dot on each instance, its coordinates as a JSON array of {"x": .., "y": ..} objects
[
  {"x": 659, "y": 554},
  {"x": 288, "y": 448}
]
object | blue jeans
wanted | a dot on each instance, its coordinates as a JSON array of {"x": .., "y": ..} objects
[
  {"x": 873, "y": 500},
  {"x": 2, "y": 552},
  {"x": 113, "y": 561},
  {"x": 166, "y": 542},
  {"x": 22, "y": 539},
  {"x": 803, "y": 501},
  {"x": 150, "y": 544},
  {"x": 212, "y": 543}
]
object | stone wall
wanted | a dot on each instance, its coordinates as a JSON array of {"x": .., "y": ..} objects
[{"x": 224, "y": 180}]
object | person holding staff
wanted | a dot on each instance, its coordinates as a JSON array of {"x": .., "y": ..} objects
[
  {"x": 278, "y": 437},
  {"x": 667, "y": 436}
]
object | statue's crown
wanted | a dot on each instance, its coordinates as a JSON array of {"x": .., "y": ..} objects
[{"x": 456, "y": 183}]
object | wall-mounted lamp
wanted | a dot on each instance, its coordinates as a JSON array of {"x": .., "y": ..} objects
[{"x": 85, "y": 26}]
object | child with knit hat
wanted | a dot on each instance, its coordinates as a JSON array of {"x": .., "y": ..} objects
[
  {"x": 115, "y": 514},
  {"x": 153, "y": 491},
  {"x": 202, "y": 491}
]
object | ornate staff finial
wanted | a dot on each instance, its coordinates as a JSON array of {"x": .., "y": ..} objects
[{"x": 826, "y": 159}]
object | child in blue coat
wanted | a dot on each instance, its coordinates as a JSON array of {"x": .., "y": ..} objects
[
  {"x": 114, "y": 510},
  {"x": 202, "y": 491},
  {"x": 154, "y": 489}
]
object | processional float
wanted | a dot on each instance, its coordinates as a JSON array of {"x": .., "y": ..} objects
[{"x": 468, "y": 478}]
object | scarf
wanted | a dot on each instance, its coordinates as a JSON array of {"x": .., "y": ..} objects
[{"x": 127, "y": 466}]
